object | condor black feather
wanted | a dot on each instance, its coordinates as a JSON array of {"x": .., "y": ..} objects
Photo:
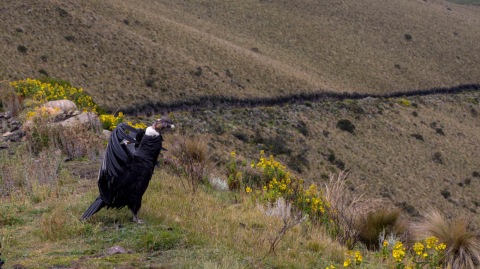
[{"x": 127, "y": 166}]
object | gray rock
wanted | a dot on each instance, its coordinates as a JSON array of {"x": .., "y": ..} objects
[
  {"x": 107, "y": 134},
  {"x": 116, "y": 250},
  {"x": 7, "y": 115},
  {"x": 88, "y": 118},
  {"x": 130, "y": 251},
  {"x": 64, "y": 105}
]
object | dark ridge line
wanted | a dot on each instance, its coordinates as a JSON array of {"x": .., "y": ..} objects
[{"x": 195, "y": 104}]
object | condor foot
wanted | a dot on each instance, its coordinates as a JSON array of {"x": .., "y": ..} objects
[{"x": 137, "y": 220}]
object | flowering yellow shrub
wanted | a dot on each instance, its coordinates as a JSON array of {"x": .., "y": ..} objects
[
  {"x": 276, "y": 182},
  {"x": 109, "y": 122},
  {"x": 45, "y": 92},
  {"x": 425, "y": 256}
]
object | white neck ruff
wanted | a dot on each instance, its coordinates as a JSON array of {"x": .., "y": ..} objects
[{"x": 151, "y": 132}]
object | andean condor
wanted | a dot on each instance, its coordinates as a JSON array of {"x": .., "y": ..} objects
[{"x": 127, "y": 167}]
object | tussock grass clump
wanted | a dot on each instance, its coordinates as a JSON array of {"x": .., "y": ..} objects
[
  {"x": 462, "y": 245},
  {"x": 384, "y": 220}
]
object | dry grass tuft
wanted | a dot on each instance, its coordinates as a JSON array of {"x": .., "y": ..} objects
[
  {"x": 189, "y": 156},
  {"x": 60, "y": 224},
  {"x": 9, "y": 99},
  {"x": 463, "y": 246}
]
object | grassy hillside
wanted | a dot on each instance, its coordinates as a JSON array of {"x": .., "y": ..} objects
[
  {"x": 125, "y": 52},
  {"x": 412, "y": 153}
]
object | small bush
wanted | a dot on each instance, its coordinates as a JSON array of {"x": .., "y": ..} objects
[
  {"x": 149, "y": 83},
  {"x": 307, "y": 103},
  {"x": 415, "y": 114},
  {"x": 437, "y": 157},
  {"x": 418, "y": 136},
  {"x": 127, "y": 22},
  {"x": 70, "y": 38},
  {"x": 445, "y": 193},
  {"x": 467, "y": 181},
  {"x": 44, "y": 58},
  {"x": 439, "y": 131},
  {"x": 43, "y": 72},
  {"x": 408, "y": 37},
  {"x": 475, "y": 174},
  {"x": 346, "y": 125},
  {"x": 241, "y": 136},
  {"x": 189, "y": 156},
  {"x": 62, "y": 12},
  {"x": 22, "y": 49}
]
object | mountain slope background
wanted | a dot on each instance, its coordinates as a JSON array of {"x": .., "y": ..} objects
[{"x": 125, "y": 52}]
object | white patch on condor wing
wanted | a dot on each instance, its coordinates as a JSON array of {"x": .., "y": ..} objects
[{"x": 151, "y": 132}]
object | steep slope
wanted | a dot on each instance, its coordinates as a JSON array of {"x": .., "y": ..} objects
[{"x": 125, "y": 52}]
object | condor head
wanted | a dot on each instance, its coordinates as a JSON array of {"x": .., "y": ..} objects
[{"x": 163, "y": 124}]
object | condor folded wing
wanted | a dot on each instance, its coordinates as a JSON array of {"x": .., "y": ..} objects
[{"x": 117, "y": 155}]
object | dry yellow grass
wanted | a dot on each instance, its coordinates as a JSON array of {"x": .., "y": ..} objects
[{"x": 114, "y": 48}]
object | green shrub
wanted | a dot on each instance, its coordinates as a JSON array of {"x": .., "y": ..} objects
[
  {"x": 437, "y": 157},
  {"x": 346, "y": 125},
  {"x": 22, "y": 49},
  {"x": 43, "y": 72},
  {"x": 418, "y": 136},
  {"x": 241, "y": 136},
  {"x": 445, "y": 193}
]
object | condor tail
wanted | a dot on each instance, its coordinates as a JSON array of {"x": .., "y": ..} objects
[{"x": 94, "y": 208}]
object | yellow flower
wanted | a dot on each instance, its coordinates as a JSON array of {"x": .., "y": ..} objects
[
  {"x": 358, "y": 256},
  {"x": 431, "y": 242},
  {"x": 385, "y": 243},
  {"x": 440, "y": 247},
  {"x": 248, "y": 190},
  {"x": 233, "y": 153},
  {"x": 418, "y": 248},
  {"x": 347, "y": 262}
]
